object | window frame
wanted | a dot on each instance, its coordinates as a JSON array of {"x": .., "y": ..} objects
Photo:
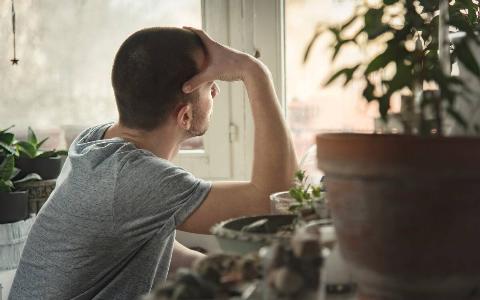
[{"x": 247, "y": 25}]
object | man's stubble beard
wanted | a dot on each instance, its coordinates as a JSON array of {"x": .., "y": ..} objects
[{"x": 199, "y": 122}]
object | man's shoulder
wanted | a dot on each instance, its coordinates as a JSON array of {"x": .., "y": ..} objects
[
  {"x": 90, "y": 145},
  {"x": 142, "y": 159}
]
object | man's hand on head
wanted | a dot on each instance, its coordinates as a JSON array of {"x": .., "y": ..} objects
[{"x": 224, "y": 63}]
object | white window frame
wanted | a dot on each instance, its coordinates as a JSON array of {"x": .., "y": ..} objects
[
  {"x": 256, "y": 25},
  {"x": 247, "y": 25},
  {"x": 250, "y": 26}
]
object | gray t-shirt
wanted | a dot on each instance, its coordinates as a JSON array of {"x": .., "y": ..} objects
[{"x": 107, "y": 230}]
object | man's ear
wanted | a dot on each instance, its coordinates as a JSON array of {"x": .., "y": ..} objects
[{"x": 185, "y": 116}]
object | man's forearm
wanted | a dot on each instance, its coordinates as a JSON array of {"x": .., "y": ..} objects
[
  {"x": 274, "y": 161},
  {"x": 182, "y": 257}
]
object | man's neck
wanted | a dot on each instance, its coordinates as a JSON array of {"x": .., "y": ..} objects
[{"x": 164, "y": 141}]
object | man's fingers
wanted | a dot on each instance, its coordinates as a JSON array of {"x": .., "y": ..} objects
[
  {"x": 204, "y": 76},
  {"x": 201, "y": 34},
  {"x": 193, "y": 83}
]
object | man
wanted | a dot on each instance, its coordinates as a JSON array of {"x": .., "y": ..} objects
[{"x": 108, "y": 229}]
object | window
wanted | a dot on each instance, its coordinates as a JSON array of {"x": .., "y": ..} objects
[
  {"x": 66, "y": 50},
  {"x": 312, "y": 108}
]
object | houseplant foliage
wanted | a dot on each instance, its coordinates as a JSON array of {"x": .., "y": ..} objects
[
  {"x": 405, "y": 207},
  {"x": 31, "y": 147},
  {"x": 32, "y": 159},
  {"x": 305, "y": 208},
  {"x": 13, "y": 204},
  {"x": 309, "y": 199},
  {"x": 23, "y": 165},
  {"x": 7, "y": 172},
  {"x": 6, "y": 143},
  {"x": 410, "y": 58}
]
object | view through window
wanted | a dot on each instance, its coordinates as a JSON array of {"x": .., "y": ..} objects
[
  {"x": 311, "y": 107},
  {"x": 66, "y": 50}
]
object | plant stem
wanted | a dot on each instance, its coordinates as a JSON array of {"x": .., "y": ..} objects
[{"x": 444, "y": 58}]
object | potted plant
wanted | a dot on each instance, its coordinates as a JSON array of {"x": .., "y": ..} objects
[
  {"x": 13, "y": 204},
  {"x": 32, "y": 159},
  {"x": 308, "y": 200},
  {"x": 405, "y": 207},
  {"x": 299, "y": 206},
  {"x": 6, "y": 143}
]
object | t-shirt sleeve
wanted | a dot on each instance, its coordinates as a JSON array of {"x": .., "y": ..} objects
[{"x": 151, "y": 193}]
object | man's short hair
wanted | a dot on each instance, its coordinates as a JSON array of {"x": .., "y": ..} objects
[{"x": 148, "y": 73}]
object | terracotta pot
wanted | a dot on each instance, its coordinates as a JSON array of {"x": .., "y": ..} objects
[{"x": 406, "y": 211}]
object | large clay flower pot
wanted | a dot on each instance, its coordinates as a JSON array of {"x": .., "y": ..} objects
[{"x": 406, "y": 211}]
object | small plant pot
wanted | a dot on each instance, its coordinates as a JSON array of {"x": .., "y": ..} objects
[
  {"x": 280, "y": 203},
  {"x": 38, "y": 193},
  {"x": 321, "y": 209},
  {"x": 232, "y": 239},
  {"x": 46, "y": 167},
  {"x": 13, "y": 206}
]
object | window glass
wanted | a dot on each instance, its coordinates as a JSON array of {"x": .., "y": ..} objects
[
  {"x": 66, "y": 50},
  {"x": 311, "y": 107}
]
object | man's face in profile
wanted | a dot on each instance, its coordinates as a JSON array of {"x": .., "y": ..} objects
[{"x": 203, "y": 104}]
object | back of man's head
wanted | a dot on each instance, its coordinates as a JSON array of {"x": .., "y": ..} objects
[{"x": 148, "y": 73}]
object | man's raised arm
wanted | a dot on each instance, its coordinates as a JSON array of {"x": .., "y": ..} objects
[{"x": 274, "y": 162}]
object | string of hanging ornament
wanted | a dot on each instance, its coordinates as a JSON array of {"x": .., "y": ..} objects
[{"x": 14, "y": 60}]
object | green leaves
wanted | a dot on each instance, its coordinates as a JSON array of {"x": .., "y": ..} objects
[
  {"x": 31, "y": 138},
  {"x": 31, "y": 147},
  {"x": 381, "y": 60},
  {"x": 6, "y": 140},
  {"x": 373, "y": 22},
  {"x": 348, "y": 72},
  {"x": 300, "y": 175},
  {"x": 402, "y": 78},
  {"x": 384, "y": 103},
  {"x": 309, "y": 46},
  {"x": 412, "y": 44},
  {"x": 27, "y": 149},
  {"x": 53, "y": 153},
  {"x": 7, "y": 168},
  {"x": 466, "y": 10},
  {"x": 429, "y": 5},
  {"x": 390, "y": 2},
  {"x": 29, "y": 177},
  {"x": 303, "y": 193},
  {"x": 465, "y": 55},
  {"x": 10, "y": 149},
  {"x": 457, "y": 117}
]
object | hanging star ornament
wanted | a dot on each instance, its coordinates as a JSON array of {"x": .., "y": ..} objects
[{"x": 14, "y": 60}]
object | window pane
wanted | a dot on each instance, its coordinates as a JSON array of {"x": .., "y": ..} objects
[
  {"x": 312, "y": 108},
  {"x": 66, "y": 51}
]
